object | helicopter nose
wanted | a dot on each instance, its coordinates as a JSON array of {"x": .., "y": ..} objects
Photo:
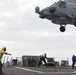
[
  {"x": 42, "y": 16},
  {"x": 52, "y": 9}
]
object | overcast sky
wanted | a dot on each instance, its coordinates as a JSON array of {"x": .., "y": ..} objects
[{"x": 24, "y": 33}]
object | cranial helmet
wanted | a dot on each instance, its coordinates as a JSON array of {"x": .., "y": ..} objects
[{"x": 4, "y": 48}]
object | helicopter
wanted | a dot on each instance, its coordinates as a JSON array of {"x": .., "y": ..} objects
[{"x": 61, "y": 13}]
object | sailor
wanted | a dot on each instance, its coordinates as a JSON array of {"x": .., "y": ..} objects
[
  {"x": 2, "y": 52},
  {"x": 42, "y": 58},
  {"x": 73, "y": 61}
]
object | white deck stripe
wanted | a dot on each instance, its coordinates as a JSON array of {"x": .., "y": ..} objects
[
  {"x": 74, "y": 72},
  {"x": 29, "y": 70},
  {"x": 40, "y": 71}
]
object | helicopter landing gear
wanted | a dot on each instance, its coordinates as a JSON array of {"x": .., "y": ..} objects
[{"x": 62, "y": 28}]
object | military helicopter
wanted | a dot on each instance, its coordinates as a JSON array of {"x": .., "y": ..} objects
[{"x": 61, "y": 13}]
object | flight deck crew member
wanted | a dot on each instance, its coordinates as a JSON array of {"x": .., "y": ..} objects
[
  {"x": 73, "y": 61},
  {"x": 42, "y": 58},
  {"x": 2, "y": 52}
]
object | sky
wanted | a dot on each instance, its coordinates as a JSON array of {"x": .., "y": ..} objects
[{"x": 22, "y": 32}]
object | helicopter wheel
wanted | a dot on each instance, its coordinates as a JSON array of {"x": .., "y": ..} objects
[{"x": 62, "y": 29}]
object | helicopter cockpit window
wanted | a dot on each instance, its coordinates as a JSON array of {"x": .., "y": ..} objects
[{"x": 62, "y": 4}]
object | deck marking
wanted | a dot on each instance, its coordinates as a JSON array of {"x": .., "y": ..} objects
[
  {"x": 29, "y": 70},
  {"x": 40, "y": 71}
]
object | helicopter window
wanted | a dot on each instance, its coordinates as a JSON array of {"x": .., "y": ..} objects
[{"x": 62, "y": 4}]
